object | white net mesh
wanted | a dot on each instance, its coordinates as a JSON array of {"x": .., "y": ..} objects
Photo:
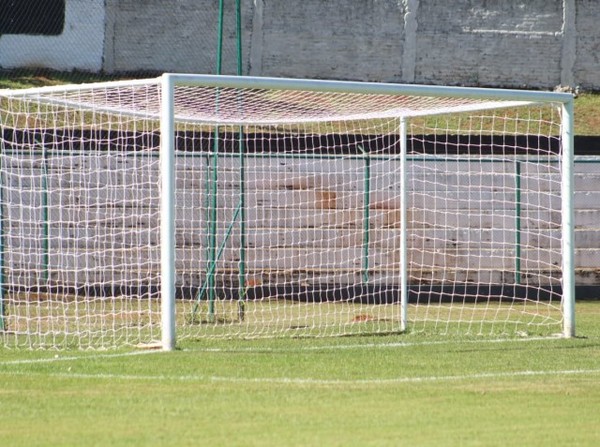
[{"x": 288, "y": 214}]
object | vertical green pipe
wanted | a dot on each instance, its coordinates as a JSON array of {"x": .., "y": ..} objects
[
  {"x": 2, "y": 287},
  {"x": 242, "y": 208},
  {"x": 518, "y": 222},
  {"x": 220, "y": 38},
  {"x": 238, "y": 33},
  {"x": 206, "y": 202},
  {"x": 242, "y": 205},
  {"x": 45, "y": 219},
  {"x": 366, "y": 215},
  {"x": 212, "y": 220}
]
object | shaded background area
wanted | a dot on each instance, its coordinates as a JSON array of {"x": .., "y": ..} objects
[{"x": 32, "y": 17}]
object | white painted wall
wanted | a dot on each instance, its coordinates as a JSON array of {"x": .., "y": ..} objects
[{"x": 80, "y": 46}]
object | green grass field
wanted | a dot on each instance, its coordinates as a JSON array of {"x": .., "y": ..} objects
[{"x": 384, "y": 390}]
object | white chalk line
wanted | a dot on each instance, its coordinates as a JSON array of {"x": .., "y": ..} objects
[
  {"x": 401, "y": 344},
  {"x": 287, "y": 380},
  {"x": 63, "y": 358},
  {"x": 310, "y": 381},
  {"x": 267, "y": 349}
]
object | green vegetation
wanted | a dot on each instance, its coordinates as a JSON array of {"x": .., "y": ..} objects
[
  {"x": 587, "y": 114},
  {"x": 385, "y": 390},
  {"x": 587, "y": 105},
  {"x": 34, "y": 78}
]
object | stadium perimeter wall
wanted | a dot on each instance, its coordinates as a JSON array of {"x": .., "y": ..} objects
[
  {"x": 513, "y": 43},
  {"x": 305, "y": 222}
]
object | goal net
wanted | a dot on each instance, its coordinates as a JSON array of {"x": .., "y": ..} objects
[{"x": 182, "y": 207}]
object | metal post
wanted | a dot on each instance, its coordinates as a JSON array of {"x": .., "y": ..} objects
[
  {"x": 242, "y": 208},
  {"x": 167, "y": 213},
  {"x": 403, "y": 228},
  {"x": 45, "y": 218},
  {"x": 238, "y": 33},
  {"x": 219, "y": 38},
  {"x": 213, "y": 189},
  {"x": 366, "y": 215},
  {"x": 568, "y": 237},
  {"x": 212, "y": 225},
  {"x": 2, "y": 286},
  {"x": 242, "y": 263},
  {"x": 518, "y": 222}
]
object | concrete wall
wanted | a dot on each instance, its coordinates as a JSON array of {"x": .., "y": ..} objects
[
  {"x": 344, "y": 40},
  {"x": 490, "y": 43},
  {"x": 586, "y": 70},
  {"x": 171, "y": 35},
  {"x": 513, "y": 43},
  {"x": 305, "y": 221}
]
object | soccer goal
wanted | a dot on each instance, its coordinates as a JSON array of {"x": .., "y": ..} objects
[{"x": 189, "y": 206}]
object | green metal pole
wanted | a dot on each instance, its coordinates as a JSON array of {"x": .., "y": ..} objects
[
  {"x": 212, "y": 193},
  {"x": 242, "y": 158},
  {"x": 366, "y": 215},
  {"x": 45, "y": 219},
  {"x": 518, "y": 222},
  {"x": 238, "y": 33},
  {"x": 208, "y": 278},
  {"x": 220, "y": 38},
  {"x": 212, "y": 222},
  {"x": 2, "y": 287},
  {"x": 242, "y": 263}
]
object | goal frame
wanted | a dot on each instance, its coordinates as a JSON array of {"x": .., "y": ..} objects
[{"x": 167, "y": 162}]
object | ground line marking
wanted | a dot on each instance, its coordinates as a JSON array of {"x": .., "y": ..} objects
[
  {"x": 58, "y": 358},
  {"x": 401, "y": 344},
  {"x": 312, "y": 381}
]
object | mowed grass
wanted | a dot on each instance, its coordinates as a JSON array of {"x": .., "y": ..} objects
[
  {"x": 587, "y": 104},
  {"x": 345, "y": 391}
]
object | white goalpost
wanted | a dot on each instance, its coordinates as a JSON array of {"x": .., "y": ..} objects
[{"x": 156, "y": 211}]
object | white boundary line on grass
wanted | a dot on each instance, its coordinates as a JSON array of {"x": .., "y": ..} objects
[
  {"x": 401, "y": 380},
  {"x": 60, "y": 358},
  {"x": 286, "y": 380},
  {"x": 400, "y": 344},
  {"x": 310, "y": 381}
]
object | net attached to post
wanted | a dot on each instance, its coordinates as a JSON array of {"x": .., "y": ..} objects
[{"x": 289, "y": 213}]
